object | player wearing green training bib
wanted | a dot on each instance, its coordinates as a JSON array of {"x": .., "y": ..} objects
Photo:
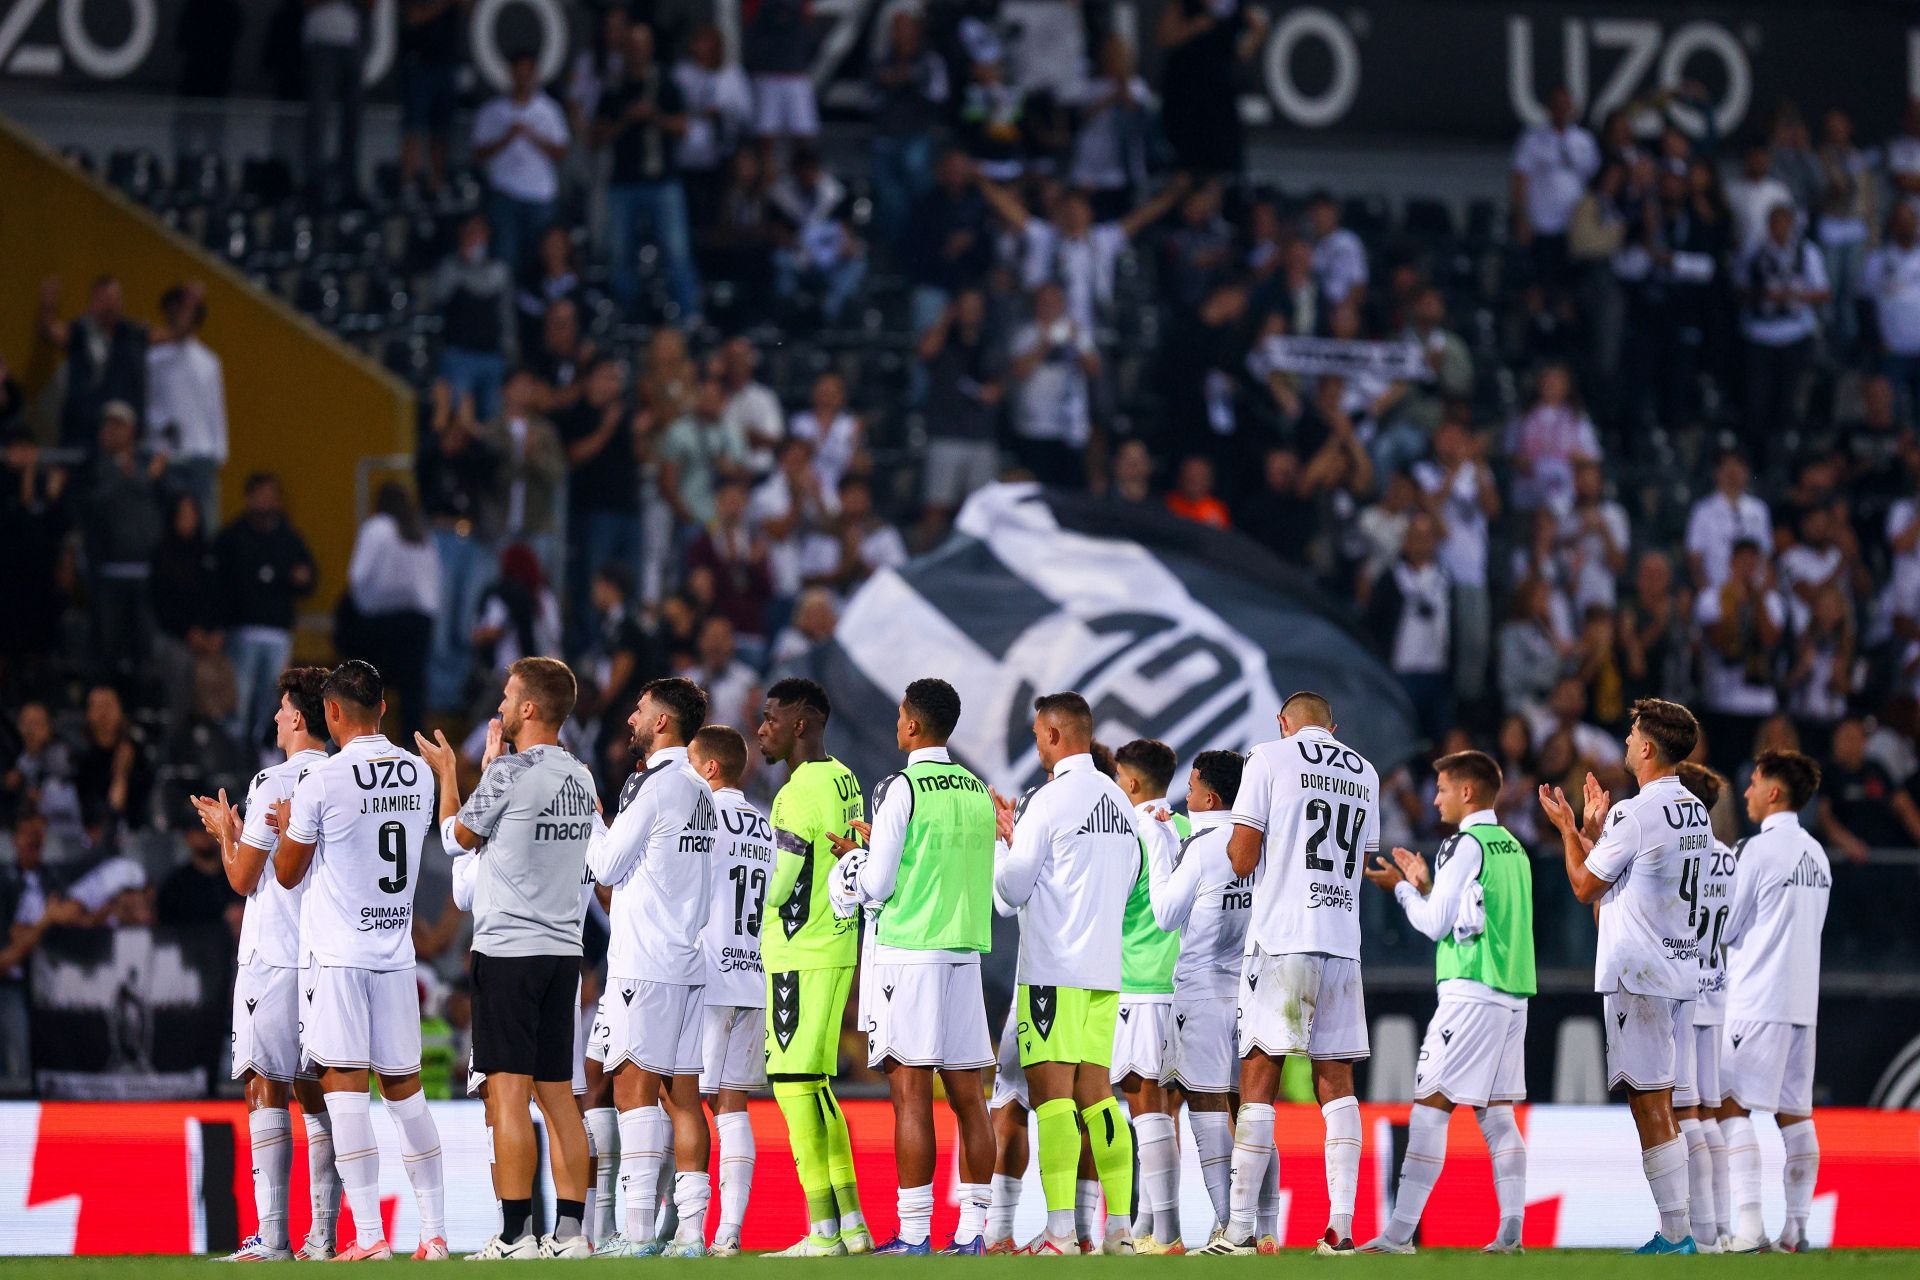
[
  {"x": 1478, "y": 905},
  {"x": 928, "y": 868},
  {"x": 809, "y": 954},
  {"x": 1144, "y": 769}
]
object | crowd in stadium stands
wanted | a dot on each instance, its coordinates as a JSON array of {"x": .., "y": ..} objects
[{"x": 693, "y": 374}]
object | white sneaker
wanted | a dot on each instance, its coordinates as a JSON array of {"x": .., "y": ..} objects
[
  {"x": 815, "y": 1247},
  {"x": 498, "y": 1250},
  {"x": 1502, "y": 1246},
  {"x": 254, "y": 1249},
  {"x": 572, "y": 1247},
  {"x": 1223, "y": 1245},
  {"x": 1705, "y": 1246},
  {"x": 1115, "y": 1245},
  {"x": 724, "y": 1247},
  {"x": 1381, "y": 1244},
  {"x": 1740, "y": 1244}
]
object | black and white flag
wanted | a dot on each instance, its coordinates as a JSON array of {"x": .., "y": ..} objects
[{"x": 1171, "y": 630}]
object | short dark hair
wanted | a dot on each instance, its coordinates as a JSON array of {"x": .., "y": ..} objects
[
  {"x": 302, "y": 687},
  {"x": 1068, "y": 705},
  {"x": 549, "y": 685},
  {"x": 356, "y": 684},
  {"x": 686, "y": 700},
  {"x": 722, "y": 744},
  {"x": 1102, "y": 757},
  {"x": 259, "y": 479},
  {"x": 1705, "y": 784},
  {"x": 1151, "y": 759},
  {"x": 935, "y": 704},
  {"x": 804, "y": 692},
  {"x": 1668, "y": 725},
  {"x": 1309, "y": 706},
  {"x": 1793, "y": 770},
  {"x": 1478, "y": 768},
  {"x": 1220, "y": 772}
]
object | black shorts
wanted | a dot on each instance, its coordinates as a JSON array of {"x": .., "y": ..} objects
[{"x": 523, "y": 1015}]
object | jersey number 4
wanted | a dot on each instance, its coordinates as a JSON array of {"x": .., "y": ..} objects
[
  {"x": 1344, "y": 822},
  {"x": 393, "y": 848}
]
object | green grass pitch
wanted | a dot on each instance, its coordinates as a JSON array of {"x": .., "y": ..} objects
[{"x": 1449, "y": 1263}]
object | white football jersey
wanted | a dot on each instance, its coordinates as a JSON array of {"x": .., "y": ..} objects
[
  {"x": 742, "y": 865},
  {"x": 1780, "y": 892},
  {"x": 1201, "y": 897},
  {"x": 1652, "y": 851},
  {"x": 270, "y": 928},
  {"x": 1317, "y": 802},
  {"x": 368, "y": 807},
  {"x": 1716, "y": 902},
  {"x": 657, "y": 857},
  {"x": 1072, "y": 864}
]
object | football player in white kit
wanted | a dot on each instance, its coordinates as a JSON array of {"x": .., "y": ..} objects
[
  {"x": 1200, "y": 896},
  {"x": 1643, "y": 868},
  {"x": 733, "y": 1055},
  {"x": 1780, "y": 892},
  {"x": 266, "y": 988},
  {"x": 1305, "y": 822},
  {"x": 353, "y": 829},
  {"x": 1149, "y": 952},
  {"x": 1697, "y": 1097},
  {"x": 1478, "y": 906},
  {"x": 658, "y": 859}
]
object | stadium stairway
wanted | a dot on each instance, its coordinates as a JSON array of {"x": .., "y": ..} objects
[{"x": 300, "y": 401}]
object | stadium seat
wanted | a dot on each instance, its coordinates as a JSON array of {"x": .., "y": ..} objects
[
  {"x": 266, "y": 180},
  {"x": 1428, "y": 218},
  {"x": 135, "y": 172}
]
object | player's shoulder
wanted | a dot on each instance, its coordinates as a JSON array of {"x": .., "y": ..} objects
[{"x": 885, "y": 788}]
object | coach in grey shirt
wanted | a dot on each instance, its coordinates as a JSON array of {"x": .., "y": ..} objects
[{"x": 529, "y": 820}]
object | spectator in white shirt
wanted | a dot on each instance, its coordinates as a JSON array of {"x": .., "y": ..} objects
[
  {"x": 752, "y": 408},
  {"x": 794, "y": 513},
  {"x": 1410, "y": 610},
  {"x": 1784, "y": 283},
  {"x": 1724, "y": 517},
  {"x": 1552, "y": 163},
  {"x": 1590, "y": 540},
  {"x": 718, "y": 104},
  {"x": 187, "y": 400},
  {"x": 1545, "y": 441},
  {"x": 520, "y": 138},
  {"x": 1753, "y": 196},
  {"x": 1890, "y": 281},
  {"x": 868, "y": 543},
  {"x": 1339, "y": 258},
  {"x": 1053, "y": 362},
  {"x": 733, "y": 690},
  {"x": 1460, "y": 493},
  {"x": 393, "y": 580},
  {"x": 835, "y": 434}
]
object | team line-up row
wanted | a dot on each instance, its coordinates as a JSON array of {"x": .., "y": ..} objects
[{"x": 1168, "y": 962}]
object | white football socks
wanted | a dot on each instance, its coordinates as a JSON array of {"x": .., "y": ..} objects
[
  {"x": 1086, "y": 1206},
  {"x": 1343, "y": 1163},
  {"x": 1006, "y": 1203},
  {"x": 916, "y": 1213},
  {"x": 1722, "y": 1179},
  {"x": 1213, "y": 1137},
  {"x": 1419, "y": 1170},
  {"x": 358, "y": 1159},
  {"x": 645, "y": 1135},
  {"x": 1802, "y": 1168},
  {"x": 603, "y": 1138},
  {"x": 1666, "y": 1170},
  {"x": 271, "y": 1131},
  {"x": 974, "y": 1199},
  {"x": 323, "y": 1176},
  {"x": 737, "y": 1155},
  {"x": 1508, "y": 1152},
  {"x": 420, "y": 1152},
  {"x": 1743, "y": 1166},
  {"x": 1252, "y": 1151},
  {"x": 1155, "y": 1142},
  {"x": 1699, "y": 1181},
  {"x": 692, "y": 1192},
  {"x": 1269, "y": 1216}
]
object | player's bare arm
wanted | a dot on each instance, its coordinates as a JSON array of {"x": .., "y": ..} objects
[
  {"x": 445, "y": 763},
  {"x": 1574, "y": 845},
  {"x": 291, "y": 859},
  {"x": 243, "y": 863},
  {"x": 1243, "y": 850}
]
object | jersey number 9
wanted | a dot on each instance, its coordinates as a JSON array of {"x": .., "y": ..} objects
[{"x": 393, "y": 848}]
